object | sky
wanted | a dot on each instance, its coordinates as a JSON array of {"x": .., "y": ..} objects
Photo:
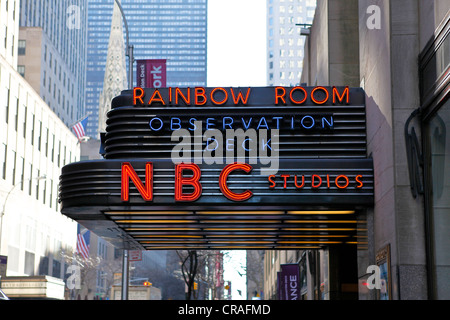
[
  {"x": 236, "y": 57},
  {"x": 236, "y": 43},
  {"x": 234, "y": 264}
]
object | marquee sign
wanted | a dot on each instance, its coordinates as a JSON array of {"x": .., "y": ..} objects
[{"x": 270, "y": 167}]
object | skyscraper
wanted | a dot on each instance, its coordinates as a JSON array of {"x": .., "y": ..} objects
[
  {"x": 52, "y": 53},
  {"x": 34, "y": 146},
  {"x": 158, "y": 29},
  {"x": 285, "y": 19}
]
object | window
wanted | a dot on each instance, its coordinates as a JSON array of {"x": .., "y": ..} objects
[
  {"x": 43, "y": 266},
  {"x": 56, "y": 272},
  {"x": 5, "y": 154},
  {"x": 439, "y": 140},
  {"x": 40, "y": 136},
  {"x": 14, "y": 168},
  {"x": 22, "y": 175},
  {"x": 21, "y": 70},
  {"x": 16, "y": 125},
  {"x": 51, "y": 193},
  {"x": 6, "y": 37},
  {"x": 46, "y": 143},
  {"x": 25, "y": 118},
  {"x": 7, "y": 105},
  {"x": 22, "y": 47},
  {"x": 38, "y": 174},
  {"x": 32, "y": 129},
  {"x": 29, "y": 263},
  {"x": 30, "y": 180}
]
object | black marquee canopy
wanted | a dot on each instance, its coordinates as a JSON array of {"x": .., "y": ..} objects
[{"x": 139, "y": 197}]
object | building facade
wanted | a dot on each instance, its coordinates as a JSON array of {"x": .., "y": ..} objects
[
  {"x": 52, "y": 54},
  {"x": 34, "y": 145},
  {"x": 434, "y": 67},
  {"x": 285, "y": 44},
  {"x": 397, "y": 51},
  {"x": 175, "y": 31}
]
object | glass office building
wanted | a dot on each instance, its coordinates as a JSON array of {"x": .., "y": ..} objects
[
  {"x": 52, "y": 54},
  {"x": 172, "y": 30},
  {"x": 285, "y": 42}
]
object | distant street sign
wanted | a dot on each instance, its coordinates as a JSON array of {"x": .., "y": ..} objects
[{"x": 135, "y": 255}]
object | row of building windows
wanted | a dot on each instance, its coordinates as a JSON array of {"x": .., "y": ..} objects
[
  {"x": 32, "y": 130},
  {"x": 289, "y": 20},
  {"x": 52, "y": 17},
  {"x": 144, "y": 5},
  {"x": 287, "y": 64},
  {"x": 55, "y": 91},
  {"x": 290, "y": 42},
  {"x": 167, "y": 37},
  {"x": 64, "y": 55},
  {"x": 45, "y": 191}
]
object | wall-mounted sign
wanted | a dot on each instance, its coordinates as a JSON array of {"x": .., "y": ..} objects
[
  {"x": 151, "y": 73},
  {"x": 288, "y": 282}
]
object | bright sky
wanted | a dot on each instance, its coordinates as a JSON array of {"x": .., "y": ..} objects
[
  {"x": 236, "y": 43},
  {"x": 234, "y": 263},
  {"x": 236, "y": 57}
]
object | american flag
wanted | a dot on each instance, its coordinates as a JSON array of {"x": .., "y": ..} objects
[
  {"x": 80, "y": 128},
  {"x": 83, "y": 238}
]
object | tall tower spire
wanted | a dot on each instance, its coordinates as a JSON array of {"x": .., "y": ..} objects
[{"x": 115, "y": 72}]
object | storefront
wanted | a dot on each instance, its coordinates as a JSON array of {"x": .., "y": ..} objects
[{"x": 435, "y": 117}]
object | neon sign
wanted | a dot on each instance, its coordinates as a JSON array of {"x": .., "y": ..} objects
[
  {"x": 301, "y": 121},
  {"x": 183, "y": 179},
  {"x": 218, "y": 96},
  {"x": 316, "y": 181}
]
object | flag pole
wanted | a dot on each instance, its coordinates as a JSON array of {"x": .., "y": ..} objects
[
  {"x": 81, "y": 119},
  {"x": 129, "y": 54}
]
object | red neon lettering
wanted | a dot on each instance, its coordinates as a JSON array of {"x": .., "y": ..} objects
[
  {"x": 186, "y": 100},
  {"x": 296, "y": 101},
  {"x": 319, "y": 101},
  {"x": 225, "y": 99},
  {"x": 129, "y": 173},
  {"x": 181, "y": 181},
  {"x": 285, "y": 176},
  {"x": 272, "y": 183},
  {"x": 360, "y": 183},
  {"x": 337, "y": 182},
  {"x": 156, "y": 97},
  {"x": 303, "y": 182},
  {"x": 341, "y": 97},
  {"x": 200, "y": 96},
  {"x": 314, "y": 176},
  {"x": 240, "y": 96},
  {"x": 223, "y": 182},
  {"x": 137, "y": 96},
  {"x": 279, "y": 96}
]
